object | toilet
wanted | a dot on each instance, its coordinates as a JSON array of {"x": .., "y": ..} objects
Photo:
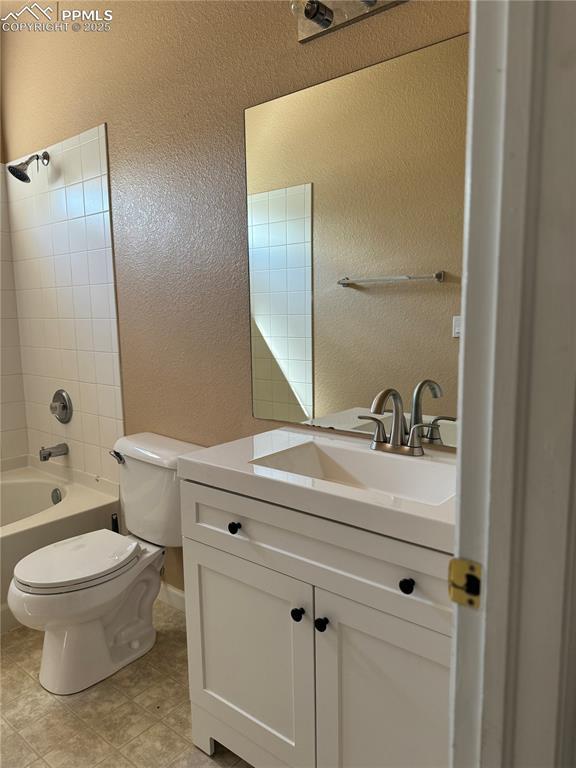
[{"x": 92, "y": 595}]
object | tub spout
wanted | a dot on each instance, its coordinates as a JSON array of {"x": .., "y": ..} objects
[{"x": 56, "y": 450}]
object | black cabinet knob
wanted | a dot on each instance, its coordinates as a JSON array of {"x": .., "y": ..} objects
[
  {"x": 234, "y": 528},
  {"x": 321, "y": 624},
  {"x": 407, "y": 586},
  {"x": 297, "y": 613}
]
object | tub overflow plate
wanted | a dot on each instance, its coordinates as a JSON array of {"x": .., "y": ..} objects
[{"x": 56, "y": 496}]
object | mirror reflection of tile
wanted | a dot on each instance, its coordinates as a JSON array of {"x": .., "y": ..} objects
[{"x": 280, "y": 255}]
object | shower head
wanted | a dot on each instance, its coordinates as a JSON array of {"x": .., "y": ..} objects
[{"x": 20, "y": 171}]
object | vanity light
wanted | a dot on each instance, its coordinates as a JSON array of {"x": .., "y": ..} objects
[
  {"x": 316, "y": 18},
  {"x": 313, "y": 10}
]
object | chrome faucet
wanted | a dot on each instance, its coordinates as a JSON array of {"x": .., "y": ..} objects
[
  {"x": 435, "y": 391},
  {"x": 397, "y": 431},
  {"x": 399, "y": 440},
  {"x": 55, "y": 450}
]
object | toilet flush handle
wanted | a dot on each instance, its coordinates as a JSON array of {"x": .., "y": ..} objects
[{"x": 118, "y": 456}]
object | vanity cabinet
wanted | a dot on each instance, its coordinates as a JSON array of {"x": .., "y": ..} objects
[
  {"x": 252, "y": 666},
  {"x": 381, "y": 689},
  {"x": 277, "y": 684}
]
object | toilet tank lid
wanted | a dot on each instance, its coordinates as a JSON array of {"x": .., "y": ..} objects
[{"x": 154, "y": 449}]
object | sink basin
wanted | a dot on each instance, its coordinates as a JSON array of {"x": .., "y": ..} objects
[
  {"x": 415, "y": 479},
  {"x": 339, "y": 478}
]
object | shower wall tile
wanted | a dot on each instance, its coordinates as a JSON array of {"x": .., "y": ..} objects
[
  {"x": 13, "y": 435},
  {"x": 280, "y": 256},
  {"x": 62, "y": 330}
]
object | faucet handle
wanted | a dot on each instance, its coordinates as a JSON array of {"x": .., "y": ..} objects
[
  {"x": 379, "y": 435},
  {"x": 415, "y": 439},
  {"x": 435, "y": 425}
]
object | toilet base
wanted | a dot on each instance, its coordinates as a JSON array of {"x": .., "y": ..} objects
[{"x": 77, "y": 656}]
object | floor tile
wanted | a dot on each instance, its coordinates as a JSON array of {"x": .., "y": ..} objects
[
  {"x": 180, "y": 720},
  {"x": 29, "y": 707},
  {"x": 116, "y": 760},
  {"x": 114, "y": 724},
  {"x": 15, "y": 682},
  {"x": 137, "y": 677},
  {"x": 20, "y": 635},
  {"x": 162, "y": 697},
  {"x": 7, "y": 657},
  {"x": 195, "y": 758},
  {"x": 155, "y": 748},
  {"x": 172, "y": 661},
  {"x": 83, "y": 750},
  {"x": 166, "y": 616},
  {"x": 16, "y": 753},
  {"x": 178, "y": 671},
  {"x": 122, "y": 725},
  {"x": 5, "y": 729},
  {"x": 169, "y": 644},
  {"x": 100, "y": 699},
  {"x": 52, "y": 730},
  {"x": 224, "y": 758},
  {"x": 174, "y": 636},
  {"x": 28, "y": 656}
]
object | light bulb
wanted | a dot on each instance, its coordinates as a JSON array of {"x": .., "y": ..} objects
[
  {"x": 314, "y": 11},
  {"x": 297, "y": 7}
]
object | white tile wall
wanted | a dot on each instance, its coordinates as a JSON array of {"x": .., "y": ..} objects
[
  {"x": 12, "y": 407},
  {"x": 66, "y": 304},
  {"x": 280, "y": 255}
]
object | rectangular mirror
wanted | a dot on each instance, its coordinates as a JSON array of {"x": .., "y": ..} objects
[{"x": 355, "y": 185}]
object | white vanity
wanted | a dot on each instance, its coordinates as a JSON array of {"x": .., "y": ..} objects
[{"x": 317, "y": 604}]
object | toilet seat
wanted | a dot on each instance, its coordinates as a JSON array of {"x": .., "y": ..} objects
[{"x": 77, "y": 563}]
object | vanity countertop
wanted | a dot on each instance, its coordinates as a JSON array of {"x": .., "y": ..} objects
[{"x": 332, "y": 477}]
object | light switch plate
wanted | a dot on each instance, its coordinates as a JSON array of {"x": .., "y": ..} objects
[{"x": 456, "y": 326}]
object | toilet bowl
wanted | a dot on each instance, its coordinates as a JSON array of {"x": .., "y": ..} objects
[{"x": 92, "y": 595}]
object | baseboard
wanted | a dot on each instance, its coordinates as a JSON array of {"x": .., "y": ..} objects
[{"x": 172, "y": 596}]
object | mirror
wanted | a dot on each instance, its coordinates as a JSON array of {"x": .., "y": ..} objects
[{"x": 354, "y": 185}]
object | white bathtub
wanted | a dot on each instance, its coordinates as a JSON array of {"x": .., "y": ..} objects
[{"x": 30, "y": 520}]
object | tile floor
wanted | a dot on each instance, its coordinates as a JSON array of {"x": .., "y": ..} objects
[{"x": 138, "y": 718}]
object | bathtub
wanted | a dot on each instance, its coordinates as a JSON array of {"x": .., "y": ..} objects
[{"x": 29, "y": 518}]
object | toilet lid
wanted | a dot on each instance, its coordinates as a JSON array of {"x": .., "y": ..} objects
[{"x": 77, "y": 560}]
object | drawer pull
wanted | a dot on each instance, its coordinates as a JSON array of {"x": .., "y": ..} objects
[
  {"x": 407, "y": 586},
  {"x": 234, "y": 528},
  {"x": 321, "y": 624},
  {"x": 297, "y": 614}
]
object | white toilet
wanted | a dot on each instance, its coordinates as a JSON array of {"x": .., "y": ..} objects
[{"x": 92, "y": 595}]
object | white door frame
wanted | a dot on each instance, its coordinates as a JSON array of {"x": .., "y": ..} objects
[{"x": 514, "y": 671}]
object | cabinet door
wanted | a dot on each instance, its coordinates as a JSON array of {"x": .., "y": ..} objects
[
  {"x": 382, "y": 689},
  {"x": 251, "y": 664}
]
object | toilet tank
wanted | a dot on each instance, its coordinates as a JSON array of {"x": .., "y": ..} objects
[{"x": 149, "y": 488}]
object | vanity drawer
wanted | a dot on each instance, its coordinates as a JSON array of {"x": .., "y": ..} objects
[{"x": 364, "y": 566}]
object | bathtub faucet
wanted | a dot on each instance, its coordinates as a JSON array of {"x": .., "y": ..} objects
[{"x": 56, "y": 450}]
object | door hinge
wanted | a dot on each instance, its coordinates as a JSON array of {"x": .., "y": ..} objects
[{"x": 465, "y": 582}]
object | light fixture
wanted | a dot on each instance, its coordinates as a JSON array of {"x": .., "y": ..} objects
[
  {"x": 316, "y": 18},
  {"x": 314, "y": 11}
]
